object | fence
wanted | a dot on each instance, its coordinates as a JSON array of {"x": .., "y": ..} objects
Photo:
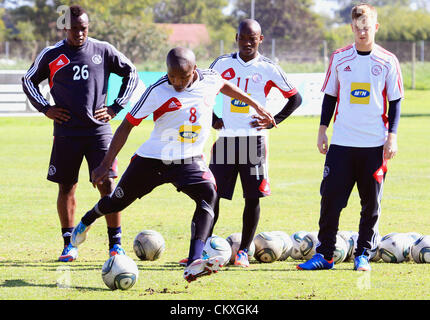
[{"x": 277, "y": 49}]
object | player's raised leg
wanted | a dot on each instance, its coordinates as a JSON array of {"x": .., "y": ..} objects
[{"x": 204, "y": 195}]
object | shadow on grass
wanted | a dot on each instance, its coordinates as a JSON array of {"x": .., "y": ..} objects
[
  {"x": 16, "y": 283},
  {"x": 415, "y": 115}
]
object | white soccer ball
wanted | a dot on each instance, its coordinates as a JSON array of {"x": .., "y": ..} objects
[
  {"x": 420, "y": 250},
  {"x": 374, "y": 254},
  {"x": 296, "y": 239},
  {"x": 217, "y": 246},
  {"x": 288, "y": 244},
  {"x": 409, "y": 239},
  {"x": 308, "y": 245},
  {"x": 341, "y": 249},
  {"x": 268, "y": 248},
  {"x": 148, "y": 245},
  {"x": 347, "y": 236},
  {"x": 120, "y": 272},
  {"x": 234, "y": 241},
  {"x": 389, "y": 235},
  {"x": 395, "y": 248}
]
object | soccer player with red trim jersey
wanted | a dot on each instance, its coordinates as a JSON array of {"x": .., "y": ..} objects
[
  {"x": 182, "y": 104},
  {"x": 78, "y": 70},
  {"x": 242, "y": 145},
  {"x": 360, "y": 80}
]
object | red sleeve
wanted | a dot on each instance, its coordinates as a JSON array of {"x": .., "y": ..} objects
[
  {"x": 270, "y": 84},
  {"x": 135, "y": 122}
]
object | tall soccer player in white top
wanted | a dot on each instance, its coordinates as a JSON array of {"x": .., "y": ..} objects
[
  {"x": 182, "y": 104},
  {"x": 242, "y": 145},
  {"x": 360, "y": 80}
]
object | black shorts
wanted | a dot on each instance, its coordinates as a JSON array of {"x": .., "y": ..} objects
[
  {"x": 67, "y": 155},
  {"x": 246, "y": 156},
  {"x": 144, "y": 174}
]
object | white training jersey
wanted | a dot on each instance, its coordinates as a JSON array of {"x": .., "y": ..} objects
[
  {"x": 362, "y": 85},
  {"x": 256, "y": 77},
  {"x": 182, "y": 120}
]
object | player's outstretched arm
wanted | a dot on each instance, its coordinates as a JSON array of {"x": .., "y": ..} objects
[
  {"x": 100, "y": 173},
  {"x": 231, "y": 90}
]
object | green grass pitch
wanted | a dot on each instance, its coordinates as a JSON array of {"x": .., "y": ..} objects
[{"x": 30, "y": 239}]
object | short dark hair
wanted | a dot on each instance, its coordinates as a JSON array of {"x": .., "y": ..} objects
[{"x": 77, "y": 11}]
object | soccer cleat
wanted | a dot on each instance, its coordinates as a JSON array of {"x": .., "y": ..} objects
[
  {"x": 79, "y": 234},
  {"x": 203, "y": 267},
  {"x": 361, "y": 263},
  {"x": 116, "y": 250},
  {"x": 69, "y": 254},
  {"x": 241, "y": 259},
  {"x": 317, "y": 262},
  {"x": 183, "y": 262}
]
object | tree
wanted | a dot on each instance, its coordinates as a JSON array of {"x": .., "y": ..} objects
[
  {"x": 208, "y": 12},
  {"x": 3, "y": 30},
  {"x": 282, "y": 19},
  {"x": 126, "y": 24}
]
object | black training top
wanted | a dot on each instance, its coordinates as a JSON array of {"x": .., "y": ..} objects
[{"x": 78, "y": 79}]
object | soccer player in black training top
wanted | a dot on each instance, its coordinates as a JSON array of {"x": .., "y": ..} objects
[{"x": 78, "y": 70}]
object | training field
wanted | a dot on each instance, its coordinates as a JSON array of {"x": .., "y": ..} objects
[{"x": 30, "y": 239}]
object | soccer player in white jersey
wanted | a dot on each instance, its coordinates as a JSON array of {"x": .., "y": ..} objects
[
  {"x": 242, "y": 145},
  {"x": 361, "y": 78},
  {"x": 182, "y": 104}
]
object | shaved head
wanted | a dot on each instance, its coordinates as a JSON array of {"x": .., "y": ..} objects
[
  {"x": 180, "y": 58},
  {"x": 181, "y": 68},
  {"x": 248, "y": 38},
  {"x": 249, "y": 25}
]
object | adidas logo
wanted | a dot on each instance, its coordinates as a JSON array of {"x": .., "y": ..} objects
[
  {"x": 172, "y": 105},
  {"x": 227, "y": 75},
  {"x": 60, "y": 62},
  {"x": 347, "y": 68}
]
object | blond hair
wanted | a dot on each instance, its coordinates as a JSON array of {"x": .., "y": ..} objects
[{"x": 363, "y": 11}]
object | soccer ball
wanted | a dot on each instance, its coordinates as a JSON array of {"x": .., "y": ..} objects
[
  {"x": 217, "y": 246},
  {"x": 148, "y": 245},
  {"x": 389, "y": 235},
  {"x": 395, "y": 249},
  {"x": 420, "y": 250},
  {"x": 374, "y": 255},
  {"x": 410, "y": 239},
  {"x": 234, "y": 241},
  {"x": 308, "y": 245},
  {"x": 348, "y": 237},
  {"x": 268, "y": 248},
  {"x": 296, "y": 238},
  {"x": 341, "y": 250},
  {"x": 120, "y": 272},
  {"x": 288, "y": 244}
]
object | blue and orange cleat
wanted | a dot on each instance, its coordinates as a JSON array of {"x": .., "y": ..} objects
[
  {"x": 69, "y": 254},
  {"x": 116, "y": 250},
  {"x": 361, "y": 263},
  {"x": 317, "y": 262},
  {"x": 241, "y": 259}
]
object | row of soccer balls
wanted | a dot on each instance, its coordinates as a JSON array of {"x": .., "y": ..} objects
[
  {"x": 121, "y": 272},
  {"x": 277, "y": 245}
]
